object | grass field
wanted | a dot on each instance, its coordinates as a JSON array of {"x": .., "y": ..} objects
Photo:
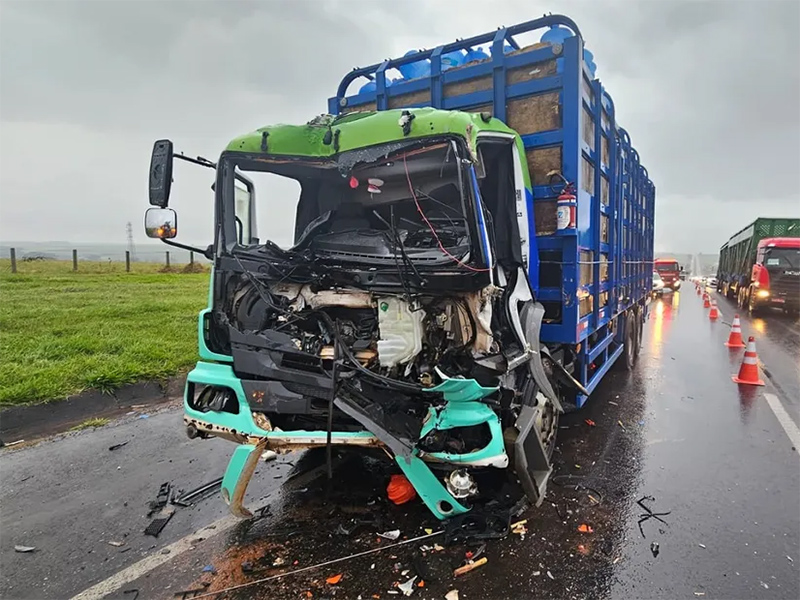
[{"x": 63, "y": 331}]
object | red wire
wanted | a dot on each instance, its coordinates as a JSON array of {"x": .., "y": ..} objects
[{"x": 433, "y": 231}]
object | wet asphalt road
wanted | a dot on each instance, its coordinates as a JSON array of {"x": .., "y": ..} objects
[{"x": 677, "y": 430}]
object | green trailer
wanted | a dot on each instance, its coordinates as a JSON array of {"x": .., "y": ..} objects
[{"x": 742, "y": 258}]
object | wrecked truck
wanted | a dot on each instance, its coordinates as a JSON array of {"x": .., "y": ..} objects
[{"x": 472, "y": 253}]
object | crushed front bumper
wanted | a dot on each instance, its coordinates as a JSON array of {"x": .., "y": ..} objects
[{"x": 254, "y": 434}]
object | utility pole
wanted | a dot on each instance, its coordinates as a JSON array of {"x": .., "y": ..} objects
[{"x": 131, "y": 247}]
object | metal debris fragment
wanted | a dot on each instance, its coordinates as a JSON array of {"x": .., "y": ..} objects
[
  {"x": 118, "y": 446},
  {"x": 550, "y": 575},
  {"x": 24, "y": 548},
  {"x": 702, "y": 545},
  {"x": 115, "y": 544},
  {"x": 654, "y": 549}
]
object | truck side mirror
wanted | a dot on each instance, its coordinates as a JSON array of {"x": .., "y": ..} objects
[
  {"x": 161, "y": 223},
  {"x": 161, "y": 173}
]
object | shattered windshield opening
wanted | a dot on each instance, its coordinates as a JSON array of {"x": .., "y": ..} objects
[{"x": 376, "y": 204}]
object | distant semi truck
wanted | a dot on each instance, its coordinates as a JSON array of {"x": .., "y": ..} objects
[
  {"x": 759, "y": 266},
  {"x": 670, "y": 271}
]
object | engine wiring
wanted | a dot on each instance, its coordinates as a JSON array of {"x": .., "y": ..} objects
[{"x": 433, "y": 229}]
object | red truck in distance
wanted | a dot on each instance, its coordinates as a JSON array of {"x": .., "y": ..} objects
[{"x": 670, "y": 272}]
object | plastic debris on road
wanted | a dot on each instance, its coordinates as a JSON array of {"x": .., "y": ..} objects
[
  {"x": 334, "y": 579},
  {"x": 390, "y": 535},
  {"x": 24, "y": 548},
  {"x": 654, "y": 549},
  {"x": 470, "y": 567},
  {"x": 408, "y": 587},
  {"x": 584, "y": 528},
  {"x": 451, "y": 595}
]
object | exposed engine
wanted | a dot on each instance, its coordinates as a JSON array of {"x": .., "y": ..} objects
[{"x": 386, "y": 333}]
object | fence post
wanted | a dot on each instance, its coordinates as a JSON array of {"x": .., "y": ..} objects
[
  {"x": 191, "y": 257},
  {"x": 74, "y": 260},
  {"x": 127, "y": 261},
  {"x": 168, "y": 259},
  {"x": 13, "y": 260}
]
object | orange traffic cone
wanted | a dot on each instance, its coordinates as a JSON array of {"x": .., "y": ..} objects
[
  {"x": 706, "y": 301},
  {"x": 713, "y": 314},
  {"x": 735, "y": 338},
  {"x": 748, "y": 373}
]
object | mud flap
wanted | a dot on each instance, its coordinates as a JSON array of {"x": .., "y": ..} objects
[
  {"x": 238, "y": 474},
  {"x": 530, "y": 458}
]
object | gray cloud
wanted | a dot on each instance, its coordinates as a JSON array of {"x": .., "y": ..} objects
[{"x": 710, "y": 92}]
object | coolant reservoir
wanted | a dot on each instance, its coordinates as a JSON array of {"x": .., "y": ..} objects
[{"x": 400, "y": 330}]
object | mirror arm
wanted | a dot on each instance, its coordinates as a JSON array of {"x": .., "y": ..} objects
[
  {"x": 207, "y": 252},
  {"x": 203, "y": 162}
]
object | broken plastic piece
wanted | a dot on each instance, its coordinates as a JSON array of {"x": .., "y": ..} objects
[
  {"x": 470, "y": 566},
  {"x": 390, "y": 535},
  {"x": 408, "y": 587},
  {"x": 451, "y": 595},
  {"x": 584, "y": 528},
  {"x": 334, "y": 579},
  {"x": 400, "y": 489},
  {"x": 116, "y": 446},
  {"x": 590, "y": 423},
  {"x": 157, "y": 524},
  {"x": 24, "y": 548},
  {"x": 209, "y": 569}
]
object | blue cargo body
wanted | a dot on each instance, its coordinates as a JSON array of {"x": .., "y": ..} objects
[{"x": 586, "y": 276}]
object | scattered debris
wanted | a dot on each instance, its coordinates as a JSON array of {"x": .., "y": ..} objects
[
  {"x": 209, "y": 569},
  {"x": 199, "y": 493},
  {"x": 144, "y": 416},
  {"x": 649, "y": 514},
  {"x": 621, "y": 425},
  {"x": 612, "y": 402},
  {"x": 24, "y": 548},
  {"x": 764, "y": 585},
  {"x": 550, "y": 575},
  {"x": 537, "y": 573},
  {"x": 583, "y": 550},
  {"x": 470, "y": 566},
  {"x": 134, "y": 591},
  {"x": 390, "y": 535},
  {"x": 157, "y": 524},
  {"x": 654, "y": 549},
  {"x": 334, "y": 579},
  {"x": 278, "y": 562},
  {"x": 118, "y": 446},
  {"x": 161, "y": 498},
  {"x": 584, "y": 528},
  {"x": 24, "y": 479},
  {"x": 590, "y": 423},
  {"x": 702, "y": 545},
  {"x": 428, "y": 530},
  {"x": 408, "y": 587},
  {"x": 115, "y": 544},
  {"x": 247, "y": 566},
  {"x": 269, "y": 455},
  {"x": 593, "y": 499},
  {"x": 451, "y": 595},
  {"x": 791, "y": 560},
  {"x": 699, "y": 593}
]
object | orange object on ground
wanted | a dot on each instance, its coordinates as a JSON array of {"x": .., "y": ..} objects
[
  {"x": 706, "y": 301},
  {"x": 400, "y": 489},
  {"x": 334, "y": 579},
  {"x": 748, "y": 373},
  {"x": 735, "y": 338},
  {"x": 713, "y": 314},
  {"x": 584, "y": 528}
]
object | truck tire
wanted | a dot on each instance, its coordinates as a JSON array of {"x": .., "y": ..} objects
[
  {"x": 752, "y": 305},
  {"x": 741, "y": 300},
  {"x": 639, "y": 330}
]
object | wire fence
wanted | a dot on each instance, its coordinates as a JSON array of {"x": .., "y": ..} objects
[{"x": 127, "y": 261}]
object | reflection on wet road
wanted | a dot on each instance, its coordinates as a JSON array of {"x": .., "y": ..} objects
[{"x": 675, "y": 438}]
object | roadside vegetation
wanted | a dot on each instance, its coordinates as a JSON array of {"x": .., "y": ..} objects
[{"x": 62, "y": 331}]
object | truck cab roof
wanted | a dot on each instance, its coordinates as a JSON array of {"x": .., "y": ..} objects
[
  {"x": 780, "y": 242},
  {"x": 328, "y": 135}
]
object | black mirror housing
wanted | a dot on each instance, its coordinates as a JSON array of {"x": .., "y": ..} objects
[{"x": 161, "y": 173}]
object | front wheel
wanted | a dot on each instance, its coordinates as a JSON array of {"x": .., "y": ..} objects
[
  {"x": 741, "y": 298},
  {"x": 752, "y": 305}
]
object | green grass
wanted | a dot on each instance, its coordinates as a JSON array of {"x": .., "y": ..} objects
[
  {"x": 62, "y": 332},
  {"x": 96, "y": 422}
]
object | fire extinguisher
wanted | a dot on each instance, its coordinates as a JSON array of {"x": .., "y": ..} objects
[{"x": 567, "y": 208}]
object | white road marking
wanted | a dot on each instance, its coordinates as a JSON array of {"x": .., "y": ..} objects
[
  {"x": 784, "y": 419},
  {"x": 148, "y": 563}
]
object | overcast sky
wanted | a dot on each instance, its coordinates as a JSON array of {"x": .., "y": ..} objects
[{"x": 710, "y": 93}]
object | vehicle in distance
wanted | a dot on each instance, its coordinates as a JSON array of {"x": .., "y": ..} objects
[
  {"x": 658, "y": 284},
  {"x": 759, "y": 266},
  {"x": 669, "y": 270}
]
